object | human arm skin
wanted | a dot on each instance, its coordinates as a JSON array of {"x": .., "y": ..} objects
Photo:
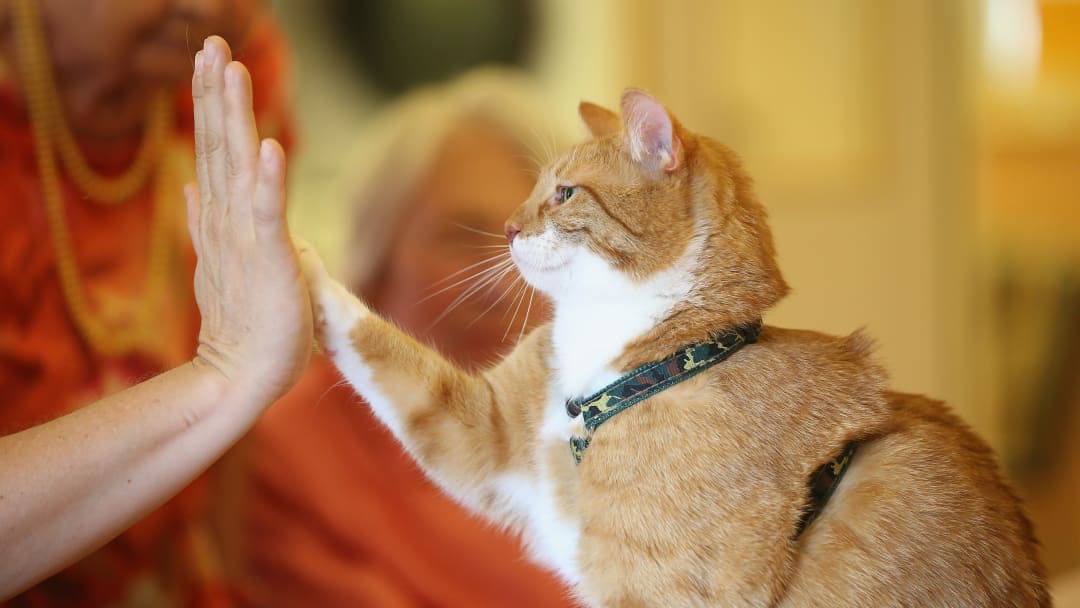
[{"x": 70, "y": 485}]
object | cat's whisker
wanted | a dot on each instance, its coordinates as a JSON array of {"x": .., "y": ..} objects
[
  {"x": 495, "y": 303},
  {"x": 543, "y": 140},
  {"x": 512, "y": 306},
  {"x": 491, "y": 286},
  {"x": 478, "y": 231},
  {"x": 553, "y": 143},
  {"x": 470, "y": 266},
  {"x": 489, "y": 278},
  {"x": 492, "y": 279},
  {"x": 458, "y": 301},
  {"x": 528, "y": 309},
  {"x": 530, "y": 160},
  {"x": 481, "y": 279},
  {"x": 517, "y": 295},
  {"x": 536, "y": 159},
  {"x": 340, "y": 383},
  {"x": 532, "y": 167},
  {"x": 480, "y": 274},
  {"x": 519, "y": 298}
]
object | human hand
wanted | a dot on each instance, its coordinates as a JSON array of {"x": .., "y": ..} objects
[{"x": 256, "y": 317}]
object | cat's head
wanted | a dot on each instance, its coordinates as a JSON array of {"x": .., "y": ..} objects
[{"x": 645, "y": 204}]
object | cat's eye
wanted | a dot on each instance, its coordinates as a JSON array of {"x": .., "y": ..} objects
[{"x": 563, "y": 193}]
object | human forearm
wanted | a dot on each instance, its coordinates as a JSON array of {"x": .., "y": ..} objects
[{"x": 72, "y": 484}]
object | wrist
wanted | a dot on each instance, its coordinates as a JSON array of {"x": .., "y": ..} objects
[
  {"x": 214, "y": 385},
  {"x": 237, "y": 391}
]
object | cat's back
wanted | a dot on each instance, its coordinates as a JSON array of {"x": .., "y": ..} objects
[
  {"x": 923, "y": 516},
  {"x": 924, "y": 507}
]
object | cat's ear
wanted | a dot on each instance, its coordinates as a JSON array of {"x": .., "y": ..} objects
[
  {"x": 598, "y": 120},
  {"x": 650, "y": 131}
]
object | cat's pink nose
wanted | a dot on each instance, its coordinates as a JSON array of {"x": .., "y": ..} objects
[{"x": 511, "y": 231}]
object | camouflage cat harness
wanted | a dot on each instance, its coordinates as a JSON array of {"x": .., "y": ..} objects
[{"x": 654, "y": 377}]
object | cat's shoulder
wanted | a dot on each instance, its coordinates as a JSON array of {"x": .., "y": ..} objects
[
  {"x": 814, "y": 347},
  {"x": 808, "y": 370}
]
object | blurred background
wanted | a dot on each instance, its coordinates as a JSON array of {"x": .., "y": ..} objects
[{"x": 920, "y": 159}]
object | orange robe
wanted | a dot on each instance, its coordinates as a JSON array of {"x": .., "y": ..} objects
[
  {"x": 47, "y": 370},
  {"x": 338, "y": 515}
]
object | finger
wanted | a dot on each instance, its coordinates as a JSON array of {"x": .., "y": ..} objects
[
  {"x": 202, "y": 172},
  {"x": 191, "y": 197},
  {"x": 268, "y": 207},
  {"x": 242, "y": 141},
  {"x": 215, "y": 57}
]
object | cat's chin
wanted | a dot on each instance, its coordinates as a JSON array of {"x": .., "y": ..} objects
[
  {"x": 540, "y": 268},
  {"x": 543, "y": 276},
  {"x": 546, "y": 282}
]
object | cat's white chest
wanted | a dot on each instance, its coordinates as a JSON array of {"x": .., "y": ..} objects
[
  {"x": 584, "y": 345},
  {"x": 553, "y": 530}
]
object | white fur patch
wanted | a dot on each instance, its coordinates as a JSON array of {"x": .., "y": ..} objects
[
  {"x": 550, "y": 538},
  {"x": 598, "y": 310}
]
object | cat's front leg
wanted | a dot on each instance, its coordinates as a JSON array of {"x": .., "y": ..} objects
[
  {"x": 462, "y": 428},
  {"x": 339, "y": 318},
  {"x": 334, "y": 309}
]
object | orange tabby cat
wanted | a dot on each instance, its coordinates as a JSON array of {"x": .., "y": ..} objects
[{"x": 714, "y": 491}]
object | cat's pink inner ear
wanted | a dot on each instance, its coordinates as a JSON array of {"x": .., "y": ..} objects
[
  {"x": 650, "y": 131},
  {"x": 598, "y": 120}
]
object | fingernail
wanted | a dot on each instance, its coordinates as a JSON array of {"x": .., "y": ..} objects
[
  {"x": 264, "y": 151},
  {"x": 211, "y": 53},
  {"x": 199, "y": 61}
]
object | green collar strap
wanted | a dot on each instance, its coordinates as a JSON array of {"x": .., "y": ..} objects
[{"x": 652, "y": 378}]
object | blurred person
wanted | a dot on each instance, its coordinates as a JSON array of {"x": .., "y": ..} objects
[
  {"x": 96, "y": 131},
  {"x": 337, "y": 514}
]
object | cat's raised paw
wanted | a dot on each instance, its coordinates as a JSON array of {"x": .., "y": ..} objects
[
  {"x": 310, "y": 263},
  {"x": 334, "y": 309}
]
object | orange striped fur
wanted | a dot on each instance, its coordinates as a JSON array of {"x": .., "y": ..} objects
[{"x": 647, "y": 237}]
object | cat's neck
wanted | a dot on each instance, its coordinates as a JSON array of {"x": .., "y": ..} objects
[
  {"x": 602, "y": 333},
  {"x": 593, "y": 330}
]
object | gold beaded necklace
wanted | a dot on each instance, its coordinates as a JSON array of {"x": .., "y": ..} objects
[{"x": 52, "y": 135}]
